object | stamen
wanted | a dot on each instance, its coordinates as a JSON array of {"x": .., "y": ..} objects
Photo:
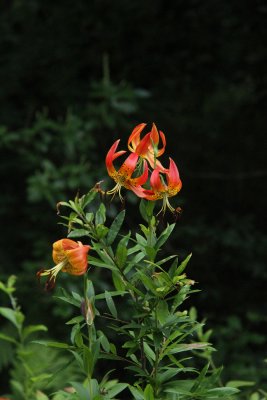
[
  {"x": 117, "y": 188},
  {"x": 52, "y": 274}
]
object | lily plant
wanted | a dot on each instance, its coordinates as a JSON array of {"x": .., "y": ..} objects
[{"x": 139, "y": 324}]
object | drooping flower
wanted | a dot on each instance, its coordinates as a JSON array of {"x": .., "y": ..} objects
[
  {"x": 124, "y": 175},
  {"x": 69, "y": 256},
  {"x": 147, "y": 147},
  {"x": 162, "y": 190}
]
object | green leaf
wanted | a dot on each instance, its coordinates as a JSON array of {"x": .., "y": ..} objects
[
  {"x": 82, "y": 392},
  {"x": 117, "y": 388},
  {"x": 157, "y": 338},
  {"x": 221, "y": 392},
  {"x": 151, "y": 252},
  {"x": 101, "y": 231},
  {"x": 90, "y": 289},
  {"x": 69, "y": 298},
  {"x": 169, "y": 373},
  {"x": 75, "y": 207},
  {"x": 146, "y": 209},
  {"x": 183, "y": 264},
  {"x": 164, "y": 260},
  {"x": 88, "y": 198},
  {"x": 201, "y": 377},
  {"x": 114, "y": 293},
  {"x": 47, "y": 343},
  {"x": 149, "y": 393},
  {"x": 78, "y": 358},
  {"x": 76, "y": 336},
  {"x": 121, "y": 253},
  {"x": 141, "y": 240},
  {"x": 41, "y": 377},
  {"x": 7, "y": 338},
  {"x": 98, "y": 263},
  {"x": 16, "y": 317},
  {"x": 41, "y": 396},
  {"x": 149, "y": 352},
  {"x": 104, "y": 341},
  {"x": 89, "y": 217},
  {"x": 115, "y": 227},
  {"x": 17, "y": 387},
  {"x": 136, "y": 393},
  {"x": 164, "y": 236},
  {"x": 28, "y": 330},
  {"x": 118, "y": 281},
  {"x": 75, "y": 320},
  {"x": 254, "y": 396},
  {"x": 162, "y": 311},
  {"x": 110, "y": 304},
  {"x": 76, "y": 233},
  {"x": 238, "y": 384},
  {"x": 178, "y": 348},
  {"x": 100, "y": 216},
  {"x": 180, "y": 297}
]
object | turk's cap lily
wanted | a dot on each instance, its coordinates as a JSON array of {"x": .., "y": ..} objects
[
  {"x": 147, "y": 147},
  {"x": 69, "y": 256},
  {"x": 161, "y": 189},
  {"x": 124, "y": 175}
]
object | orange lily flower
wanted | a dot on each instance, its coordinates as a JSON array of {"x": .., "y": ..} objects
[
  {"x": 161, "y": 190},
  {"x": 123, "y": 177},
  {"x": 69, "y": 256},
  {"x": 147, "y": 147}
]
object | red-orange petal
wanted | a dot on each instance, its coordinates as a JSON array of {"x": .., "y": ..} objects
[
  {"x": 155, "y": 181},
  {"x": 59, "y": 248},
  {"x": 77, "y": 260},
  {"x": 142, "y": 149},
  {"x": 150, "y": 195},
  {"x": 161, "y": 151},
  {"x": 111, "y": 156},
  {"x": 173, "y": 177},
  {"x": 134, "y": 138},
  {"x": 138, "y": 190},
  {"x": 128, "y": 167},
  {"x": 154, "y": 134}
]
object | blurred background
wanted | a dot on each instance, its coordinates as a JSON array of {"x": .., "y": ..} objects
[{"x": 74, "y": 77}]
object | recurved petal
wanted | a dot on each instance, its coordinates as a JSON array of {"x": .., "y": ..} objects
[
  {"x": 155, "y": 181},
  {"x": 161, "y": 151},
  {"x": 77, "y": 260},
  {"x": 111, "y": 156},
  {"x": 134, "y": 138},
  {"x": 154, "y": 134},
  {"x": 138, "y": 190},
  {"x": 150, "y": 195},
  {"x": 173, "y": 176},
  {"x": 128, "y": 167},
  {"x": 59, "y": 248},
  {"x": 142, "y": 148}
]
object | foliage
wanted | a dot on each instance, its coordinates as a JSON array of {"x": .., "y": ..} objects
[
  {"x": 33, "y": 368},
  {"x": 157, "y": 329}
]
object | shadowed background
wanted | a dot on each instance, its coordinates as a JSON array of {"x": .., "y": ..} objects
[{"x": 75, "y": 76}]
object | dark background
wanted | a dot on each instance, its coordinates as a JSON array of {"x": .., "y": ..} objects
[{"x": 75, "y": 76}]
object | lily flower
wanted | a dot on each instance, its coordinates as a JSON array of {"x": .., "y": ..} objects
[
  {"x": 161, "y": 190},
  {"x": 69, "y": 256},
  {"x": 147, "y": 147},
  {"x": 123, "y": 176}
]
